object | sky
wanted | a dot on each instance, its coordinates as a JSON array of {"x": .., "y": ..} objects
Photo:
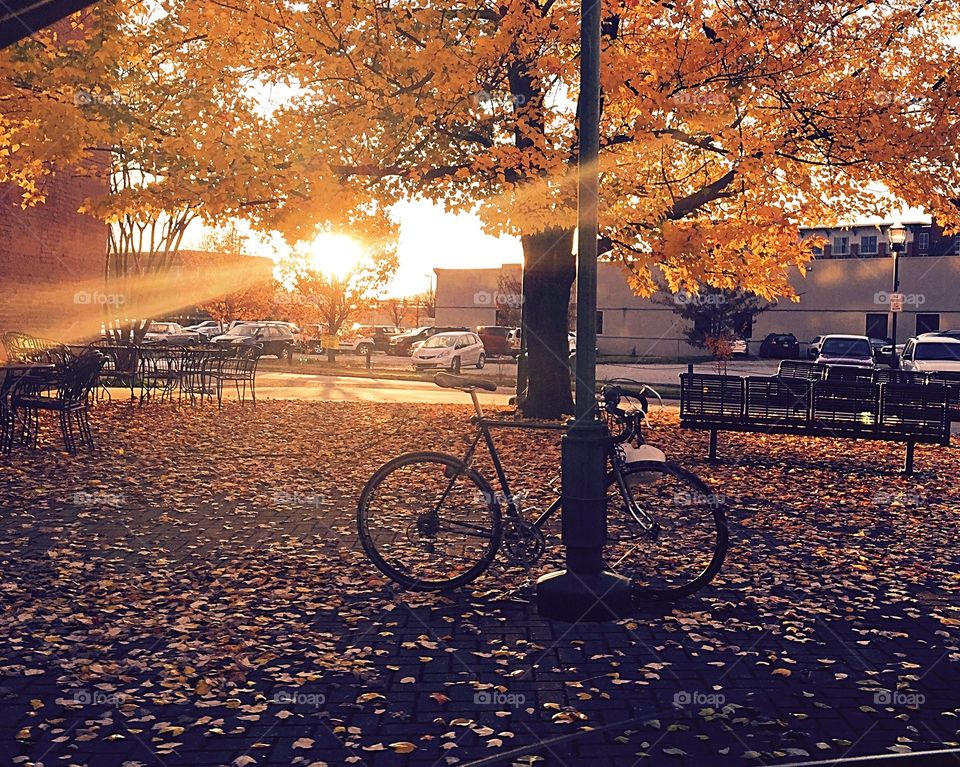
[{"x": 430, "y": 238}]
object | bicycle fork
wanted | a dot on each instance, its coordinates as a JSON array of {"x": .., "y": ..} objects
[{"x": 639, "y": 514}]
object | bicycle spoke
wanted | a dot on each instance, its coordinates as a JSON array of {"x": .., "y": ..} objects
[
  {"x": 425, "y": 521},
  {"x": 685, "y": 543}
]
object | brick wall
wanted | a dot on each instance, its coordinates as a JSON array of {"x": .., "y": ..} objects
[{"x": 51, "y": 260}]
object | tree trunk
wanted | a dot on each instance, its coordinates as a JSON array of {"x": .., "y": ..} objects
[{"x": 549, "y": 271}]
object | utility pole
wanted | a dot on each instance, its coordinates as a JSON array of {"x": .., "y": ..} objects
[{"x": 585, "y": 590}]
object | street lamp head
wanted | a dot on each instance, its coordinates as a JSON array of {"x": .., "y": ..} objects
[{"x": 897, "y": 236}]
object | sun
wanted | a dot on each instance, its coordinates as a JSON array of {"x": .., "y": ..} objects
[{"x": 334, "y": 254}]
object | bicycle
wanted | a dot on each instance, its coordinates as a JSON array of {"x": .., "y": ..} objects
[{"x": 430, "y": 521}]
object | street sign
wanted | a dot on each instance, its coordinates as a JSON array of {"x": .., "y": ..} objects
[
  {"x": 896, "y": 302},
  {"x": 330, "y": 341}
]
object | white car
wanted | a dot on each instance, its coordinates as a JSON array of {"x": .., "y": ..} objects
[
  {"x": 813, "y": 351},
  {"x": 846, "y": 350},
  {"x": 208, "y": 329},
  {"x": 513, "y": 340},
  {"x": 368, "y": 338},
  {"x": 450, "y": 351},
  {"x": 931, "y": 354},
  {"x": 170, "y": 333}
]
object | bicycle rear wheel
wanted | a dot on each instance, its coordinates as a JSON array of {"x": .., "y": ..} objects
[
  {"x": 680, "y": 540},
  {"x": 429, "y": 522}
]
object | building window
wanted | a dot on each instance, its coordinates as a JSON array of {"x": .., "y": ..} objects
[
  {"x": 599, "y": 323},
  {"x": 841, "y": 246},
  {"x": 923, "y": 242},
  {"x": 868, "y": 245},
  {"x": 876, "y": 325},
  {"x": 956, "y": 245},
  {"x": 928, "y": 323}
]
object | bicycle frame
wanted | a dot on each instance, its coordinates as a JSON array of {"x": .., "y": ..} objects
[{"x": 483, "y": 432}]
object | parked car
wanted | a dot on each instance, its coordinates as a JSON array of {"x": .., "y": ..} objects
[
  {"x": 943, "y": 333},
  {"x": 451, "y": 351},
  {"x": 783, "y": 346},
  {"x": 846, "y": 350},
  {"x": 372, "y": 337},
  {"x": 496, "y": 339},
  {"x": 879, "y": 347},
  {"x": 312, "y": 335},
  {"x": 294, "y": 329},
  {"x": 276, "y": 338},
  {"x": 208, "y": 328},
  {"x": 513, "y": 340},
  {"x": 402, "y": 345},
  {"x": 931, "y": 354},
  {"x": 515, "y": 335},
  {"x": 813, "y": 350},
  {"x": 171, "y": 333},
  {"x": 738, "y": 348},
  {"x": 892, "y": 353}
]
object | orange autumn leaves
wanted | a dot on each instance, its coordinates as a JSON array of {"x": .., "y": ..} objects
[{"x": 724, "y": 125}]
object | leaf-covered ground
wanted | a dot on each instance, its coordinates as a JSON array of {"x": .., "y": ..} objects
[{"x": 192, "y": 593}]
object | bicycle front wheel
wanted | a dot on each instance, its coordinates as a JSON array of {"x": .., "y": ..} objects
[
  {"x": 429, "y": 522},
  {"x": 671, "y": 539}
]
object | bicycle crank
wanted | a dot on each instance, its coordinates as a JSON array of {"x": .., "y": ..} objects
[{"x": 523, "y": 543}]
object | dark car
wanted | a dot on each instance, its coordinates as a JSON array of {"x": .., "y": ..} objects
[
  {"x": 496, "y": 339},
  {"x": 780, "y": 346},
  {"x": 276, "y": 339},
  {"x": 851, "y": 351},
  {"x": 375, "y": 337},
  {"x": 402, "y": 345},
  {"x": 878, "y": 345}
]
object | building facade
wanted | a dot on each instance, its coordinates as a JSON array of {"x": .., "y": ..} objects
[
  {"x": 845, "y": 290},
  {"x": 52, "y": 260}
]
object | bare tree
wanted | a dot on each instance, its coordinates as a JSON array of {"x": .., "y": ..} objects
[{"x": 397, "y": 309}]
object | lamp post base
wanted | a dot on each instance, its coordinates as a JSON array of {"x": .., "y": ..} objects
[{"x": 575, "y": 597}]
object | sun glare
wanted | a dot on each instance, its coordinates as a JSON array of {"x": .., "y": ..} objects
[{"x": 335, "y": 254}]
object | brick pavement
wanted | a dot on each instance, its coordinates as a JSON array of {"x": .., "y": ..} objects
[{"x": 202, "y": 602}]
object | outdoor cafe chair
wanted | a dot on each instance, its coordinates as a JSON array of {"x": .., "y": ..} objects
[
  {"x": 199, "y": 366},
  {"x": 161, "y": 370},
  {"x": 241, "y": 370},
  {"x": 66, "y": 393}
]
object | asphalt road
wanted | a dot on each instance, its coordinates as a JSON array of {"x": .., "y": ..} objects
[
  {"x": 350, "y": 389},
  {"x": 503, "y": 369}
]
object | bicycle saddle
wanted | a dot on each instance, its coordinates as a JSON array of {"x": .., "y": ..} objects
[{"x": 449, "y": 381}]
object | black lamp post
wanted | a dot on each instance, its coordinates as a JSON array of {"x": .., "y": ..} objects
[
  {"x": 585, "y": 590},
  {"x": 898, "y": 237}
]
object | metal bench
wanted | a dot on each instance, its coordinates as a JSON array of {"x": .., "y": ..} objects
[
  {"x": 889, "y": 375},
  {"x": 777, "y": 401},
  {"x": 845, "y": 405},
  {"x": 849, "y": 373},
  {"x": 952, "y": 382},
  {"x": 815, "y": 372},
  {"x": 912, "y": 413}
]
